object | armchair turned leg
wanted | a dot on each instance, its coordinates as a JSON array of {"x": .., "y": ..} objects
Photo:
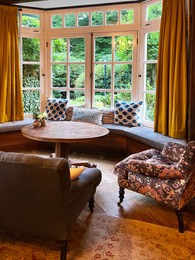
[
  {"x": 63, "y": 252},
  {"x": 180, "y": 220},
  {"x": 121, "y": 195},
  {"x": 91, "y": 204}
]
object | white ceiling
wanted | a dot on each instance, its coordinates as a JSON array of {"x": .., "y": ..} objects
[{"x": 50, "y": 4}]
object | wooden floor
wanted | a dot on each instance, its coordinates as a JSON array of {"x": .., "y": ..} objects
[{"x": 135, "y": 206}]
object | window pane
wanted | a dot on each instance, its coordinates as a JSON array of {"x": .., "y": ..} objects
[
  {"x": 150, "y": 105},
  {"x": 151, "y": 70},
  {"x": 77, "y": 76},
  {"x": 59, "y": 94},
  {"x": 102, "y": 100},
  {"x": 31, "y": 49},
  {"x": 69, "y": 20},
  {"x": 57, "y": 21},
  {"x": 77, "y": 49},
  {"x": 103, "y": 48},
  {"x": 103, "y": 76},
  {"x": 77, "y": 98},
  {"x": 31, "y": 101},
  {"x": 31, "y": 20},
  {"x": 123, "y": 48},
  {"x": 97, "y": 18},
  {"x": 154, "y": 11},
  {"x": 124, "y": 96},
  {"x": 152, "y": 45},
  {"x": 59, "y": 49},
  {"x": 58, "y": 76},
  {"x": 83, "y": 19},
  {"x": 123, "y": 76},
  {"x": 31, "y": 76},
  {"x": 127, "y": 16},
  {"x": 111, "y": 17}
]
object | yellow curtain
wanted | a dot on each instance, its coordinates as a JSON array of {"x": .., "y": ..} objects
[
  {"x": 171, "y": 94},
  {"x": 11, "y": 107}
]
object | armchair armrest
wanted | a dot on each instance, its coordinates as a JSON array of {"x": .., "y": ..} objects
[
  {"x": 121, "y": 168},
  {"x": 89, "y": 178}
]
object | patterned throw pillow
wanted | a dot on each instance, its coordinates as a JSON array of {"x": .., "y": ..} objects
[
  {"x": 56, "y": 108},
  {"x": 93, "y": 116},
  {"x": 127, "y": 113}
]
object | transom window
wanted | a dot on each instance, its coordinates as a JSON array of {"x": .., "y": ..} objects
[{"x": 100, "y": 17}]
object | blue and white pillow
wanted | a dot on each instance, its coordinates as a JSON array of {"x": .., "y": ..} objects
[
  {"x": 56, "y": 109},
  {"x": 127, "y": 113}
]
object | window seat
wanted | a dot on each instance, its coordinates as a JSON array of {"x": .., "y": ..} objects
[
  {"x": 144, "y": 135},
  {"x": 128, "y": 139},
  {"x": 15, "y": 126},
  {"x": 120, "y": 139}
]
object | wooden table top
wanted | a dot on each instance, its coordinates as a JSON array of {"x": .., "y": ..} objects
[{"x": 64, "y": 132}]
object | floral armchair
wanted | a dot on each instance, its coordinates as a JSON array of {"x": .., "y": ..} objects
[{"x": 168, "y": 176}]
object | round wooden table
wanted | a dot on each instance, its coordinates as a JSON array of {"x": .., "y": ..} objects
[{"x": 63, "y": 132}]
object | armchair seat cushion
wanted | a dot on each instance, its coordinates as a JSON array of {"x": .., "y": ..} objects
[{"x": 154, "y": 168}]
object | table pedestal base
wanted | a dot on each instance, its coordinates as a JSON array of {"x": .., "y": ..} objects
[{"x": 61, "y": 150}]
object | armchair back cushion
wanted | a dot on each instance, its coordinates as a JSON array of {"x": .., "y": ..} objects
[
  {"x": 186, "y": 162},
  {"x": 173, "y": 151}
]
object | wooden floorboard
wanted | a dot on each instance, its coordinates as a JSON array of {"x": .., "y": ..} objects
[{"x": 135, "y": 206}]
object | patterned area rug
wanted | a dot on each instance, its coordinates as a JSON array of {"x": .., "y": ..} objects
[{"x": 104, "y": 238}]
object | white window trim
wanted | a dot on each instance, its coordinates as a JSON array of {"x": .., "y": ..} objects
[{"x": 145, "y": 27}]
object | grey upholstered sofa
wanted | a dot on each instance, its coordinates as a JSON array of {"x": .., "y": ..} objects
[{"x": 38, "y": 198}]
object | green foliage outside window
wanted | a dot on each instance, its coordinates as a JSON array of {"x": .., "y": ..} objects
[
  {"x": 59, "y": 50},
  {"x": 31, "y": 49},
  {"x": 57, "y": 21},
  {"x": 150, "y": 105},
  {"x": 83, "y": 19},
  {"x": 127, "y": 16},
  {"x": 154, "y": 11},
  {"x": 123, "y": 48},
  {"x": 152, "y": 45},
  {"x": 58, "y": 76},
  {"x": 151, "y": 73},
  {"x": 69, "y": 20},
  {"x": 77, "y": 50},
  {"x": 31, "y": 20},
  {"x": 111, "y": 17},
  {"x": 103, "y": 48},
  {"x": 97, "y": 18},
  {"x": 31, "y": 100},
  {"x": 102, "y": 100}
]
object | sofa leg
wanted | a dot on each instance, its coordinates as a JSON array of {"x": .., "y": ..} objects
[
  {"x": 180, "y": 220},
  {"x": 121, "y": 195},
  {"x": 63, "y": 253},
  {"x": 91, "y": 204}
]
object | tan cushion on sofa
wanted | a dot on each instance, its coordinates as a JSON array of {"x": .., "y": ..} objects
[
  {"x": 108, "y": 116},
  {"x": 69, "y": 112}
]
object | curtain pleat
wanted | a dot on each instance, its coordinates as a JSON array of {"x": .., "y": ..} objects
[
  {"x": 171, "y": 94},
  {"x": 11, "y": 106}
]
